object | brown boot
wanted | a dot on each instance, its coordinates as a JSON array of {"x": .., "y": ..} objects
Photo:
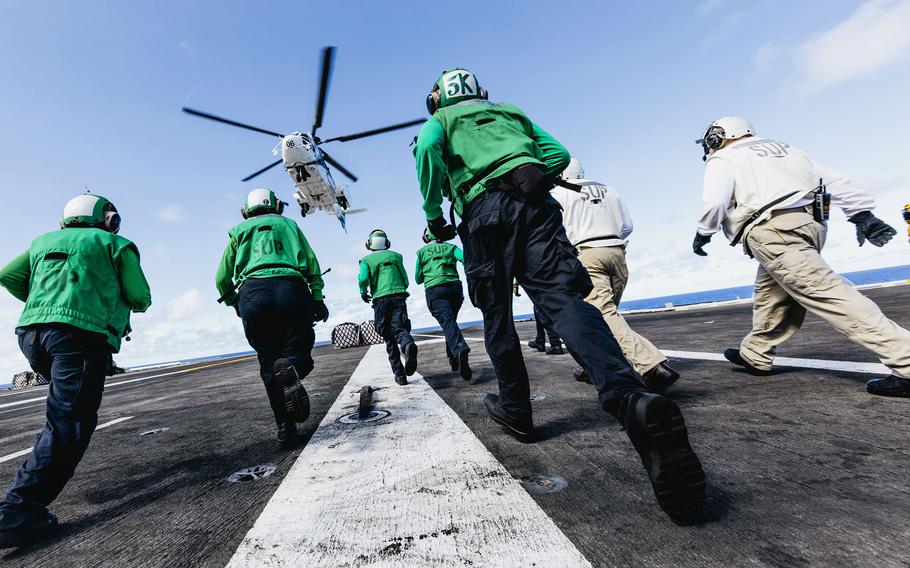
[{"x": 660, "y": 377}]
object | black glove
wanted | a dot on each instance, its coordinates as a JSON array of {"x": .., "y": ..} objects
[
  {"x": 366, "y": 297},
  {"x": 699, "y": 242},
  {"x": 868, "y": 226},
  {"x": 440, "y": 229},
  {"x": 320, "y": 311}
]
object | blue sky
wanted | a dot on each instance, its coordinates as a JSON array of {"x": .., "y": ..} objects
[{"x": 92, "y": 91}]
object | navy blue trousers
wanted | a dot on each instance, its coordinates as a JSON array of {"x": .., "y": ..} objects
[
  {"x": 445, "y": 301},
  {"x": 76, "y": 362},
  {"x": 506, "y": 235},
  {"x": 277, "y": 318},
  {"x": 392, "y": 323},
  {"x": 542, "y": 327}
]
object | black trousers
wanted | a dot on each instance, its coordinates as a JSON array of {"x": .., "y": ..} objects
[
  {"x": 542, "y": 327},
  {"x": 76, "y": 362},
  {"x": 392, "y": 323},
  {"x": 445, "y": 301},
  {"x": 277, "y": 318},
  {"x": 505, "y": 235}
]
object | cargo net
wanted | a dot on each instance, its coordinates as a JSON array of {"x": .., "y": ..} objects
[
  {"x": 369, "y": 335},
  {"x": 346, "y": 335},
  {"x": 27, "y": 379}
]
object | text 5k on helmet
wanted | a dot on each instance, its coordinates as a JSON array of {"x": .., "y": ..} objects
[
  {"x": 722, "y": 131},
  {"x": 261, "y": 201},
  {"x": 91, "y": 210},
  {"x": 454, "y": 86},
  {"x": 378, "y": 240}
]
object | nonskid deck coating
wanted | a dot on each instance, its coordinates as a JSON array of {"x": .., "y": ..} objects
[{"x": 804, "y": 467}]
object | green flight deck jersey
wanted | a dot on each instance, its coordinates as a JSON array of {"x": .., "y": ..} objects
[
  {"x": 437, "y": 264},
  {"x": 80, "y": 276},
  {"x": 267, "y": 246},
  {"x": 382, "y": 274},
  {"x": 473, "y": 143}
]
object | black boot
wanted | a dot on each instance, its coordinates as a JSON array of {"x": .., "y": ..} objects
[
  {"x": 733, "y": 356},
  {"x": 296, "y": 401},
  {"x": 890, "y": 386},
  {"x": 401, "y": 379},
  {"x": 539, "y": 345},
  {"x": 464, "y": 367},
  {"x": 656, "y": 428},
  {"x": 660, "y": 377},
  {"x": 29, "y": 533},
  {"x": 555, "y": 349},
  {"x": 410, "y": 359},
  {"x": 520, "y": 428},
  {"x": 453, "y": 362}
]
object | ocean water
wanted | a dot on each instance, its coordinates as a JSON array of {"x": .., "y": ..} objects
[
  {"x": 876, "y": 276},
  {"x": 859, "y": 278}
]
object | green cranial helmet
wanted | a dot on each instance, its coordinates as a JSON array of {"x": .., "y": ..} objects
[
  {"x": 261, "y": 201},
  {"x": 378, "y": 240},
  {"x": 90, "y": 210},
  {"x": 454, "y": 86}
]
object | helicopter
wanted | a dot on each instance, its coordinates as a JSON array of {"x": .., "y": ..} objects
[{"x": 305, "y": 161}]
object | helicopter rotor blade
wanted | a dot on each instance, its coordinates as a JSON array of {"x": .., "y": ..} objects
[
  {"x": 328, "y": 55},
  {"x": 231, "y": 122},
  {"x": 338, "y": 166},
  {"x": 265, "y": 169},
  {"x": 375, "y": 131}
]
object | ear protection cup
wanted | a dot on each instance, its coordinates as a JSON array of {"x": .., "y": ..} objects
[
  {"x": 433, "y": 100},
  {"x": 484, "y": 94},
  {"x": 280, "y": 209},
  {"x": 714, "y": 139},
  {"x": 111, "y": 218},
  {"x": 243, "y": 212}
]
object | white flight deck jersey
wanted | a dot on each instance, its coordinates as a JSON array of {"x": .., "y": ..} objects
[
  {"x": 729, "y": 195},
  {"x": 764, "y": 170},
  {"x": 594, "y": 217}
]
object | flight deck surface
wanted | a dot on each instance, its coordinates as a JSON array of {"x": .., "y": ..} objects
[{"x": 804, "y": 467}]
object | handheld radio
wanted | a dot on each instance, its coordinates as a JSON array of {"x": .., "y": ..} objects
[{"x": 821, "y": 203}]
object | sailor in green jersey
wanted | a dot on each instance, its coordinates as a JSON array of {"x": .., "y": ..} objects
[
  {"x": 437, "y": 270},
  {"x": 79, "y": 285},
  {"x": 383, "y": 281},
  {"x": 500, "y": 167},
  {"x": 279, "y": 298}
]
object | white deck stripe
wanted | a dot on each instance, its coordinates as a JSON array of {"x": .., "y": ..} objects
[
  {"x": 15, "y": 455},
  {"x": 824, "y": 364},
  {"x": 416, "y": 489}
]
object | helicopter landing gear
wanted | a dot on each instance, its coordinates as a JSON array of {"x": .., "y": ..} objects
[
  {"x": 343, "y": 202},
  {"x": 304, "y": 209}
]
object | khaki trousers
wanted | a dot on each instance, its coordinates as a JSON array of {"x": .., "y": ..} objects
[
  {"x": 607, "y": 268},
  {"x": 793, "y": 277}
]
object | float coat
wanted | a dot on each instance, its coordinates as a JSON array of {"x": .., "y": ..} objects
[
  {"x": 80, "y": 276},
  {"x": 474, "y": 143},
  {"x": 382, "y": 274},
  {"x": 267, "y": 246}
]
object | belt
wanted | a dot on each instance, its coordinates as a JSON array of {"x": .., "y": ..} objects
[{"x": 801, "y": 209}]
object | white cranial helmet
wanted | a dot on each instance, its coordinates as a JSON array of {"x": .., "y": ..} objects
[
  {"x": 724, "y": 130},
  {"x": 573, "y": 170}
]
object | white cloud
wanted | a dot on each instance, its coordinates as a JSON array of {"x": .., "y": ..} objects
[
  {"x": 185, "y": 305},
  {"x": 172, "y": 213},
  {"x": 188, "y": 49},
  {"x": 873, "y": 37}
]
